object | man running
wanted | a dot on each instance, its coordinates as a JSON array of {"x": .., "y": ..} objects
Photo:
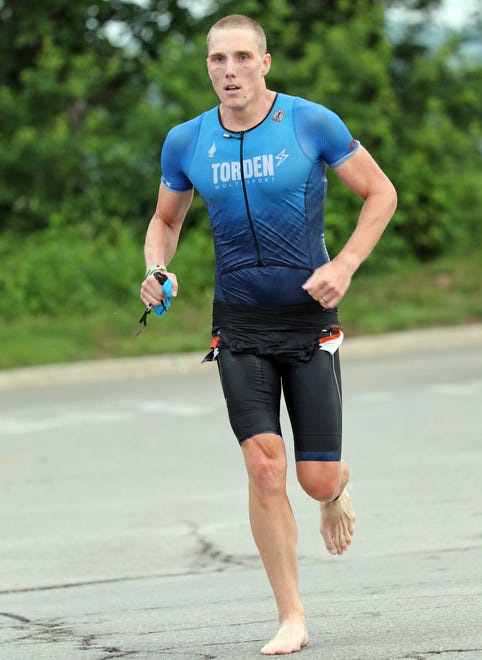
[{"x": 259, "y": 160}]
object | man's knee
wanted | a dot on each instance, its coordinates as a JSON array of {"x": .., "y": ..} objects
[
  {"x": 265, "y": 459},
  {"x": 320, "y": 480}
]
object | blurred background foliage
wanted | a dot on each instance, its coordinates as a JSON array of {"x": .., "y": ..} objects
[{"x": 89, "y": 89}]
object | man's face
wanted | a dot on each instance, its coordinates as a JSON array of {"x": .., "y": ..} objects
[{"x": 236, "y": 66}]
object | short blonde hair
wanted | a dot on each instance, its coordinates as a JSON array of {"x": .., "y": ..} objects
[{"x": 244, "y": 22}]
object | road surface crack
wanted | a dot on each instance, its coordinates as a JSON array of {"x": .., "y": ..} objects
[
  {"x": 54, "y": 632},
  {"x": 208, "y": 557}
]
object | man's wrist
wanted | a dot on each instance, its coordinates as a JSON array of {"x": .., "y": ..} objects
[
  {"x": 349, "y": 260},
  {"x": 155, "y": 268}
]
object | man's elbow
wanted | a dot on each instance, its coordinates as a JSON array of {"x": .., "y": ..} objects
[{"x": 392, "y": 196}]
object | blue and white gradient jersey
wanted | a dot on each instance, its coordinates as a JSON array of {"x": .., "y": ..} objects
[{"x": 265, "y": 192}]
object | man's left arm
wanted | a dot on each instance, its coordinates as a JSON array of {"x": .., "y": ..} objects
[{"x": 329, "y": 283}]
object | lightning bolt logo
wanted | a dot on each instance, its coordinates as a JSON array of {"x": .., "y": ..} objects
[{"x": 281, "y": 157}]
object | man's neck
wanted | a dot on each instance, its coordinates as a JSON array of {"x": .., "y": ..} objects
[{"x": 247, "y": 118}]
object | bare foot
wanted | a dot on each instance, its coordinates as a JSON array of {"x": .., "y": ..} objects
[
  {"x": 337, "y": 524},
  {"x": 291, "y": 637}
]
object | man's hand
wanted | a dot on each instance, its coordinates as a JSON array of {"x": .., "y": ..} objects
[
  {"x": 329, "y": 283},
  {"x": 152, "y": 292}
]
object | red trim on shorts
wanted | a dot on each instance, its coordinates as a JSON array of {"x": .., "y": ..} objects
[{"x": 322, "y": 340}]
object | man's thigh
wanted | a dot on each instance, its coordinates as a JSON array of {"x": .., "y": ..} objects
[
  {"x": 312, "y": 393},
  {"x": 252, "y": 390}
]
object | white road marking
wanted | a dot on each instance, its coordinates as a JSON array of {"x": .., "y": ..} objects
[{"x": 39, "y": 420}]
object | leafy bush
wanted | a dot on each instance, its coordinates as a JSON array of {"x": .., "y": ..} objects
[{"x": 73, "y": 271}]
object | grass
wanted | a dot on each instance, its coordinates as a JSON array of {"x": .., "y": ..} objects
[{"x": 444, "y": 292}]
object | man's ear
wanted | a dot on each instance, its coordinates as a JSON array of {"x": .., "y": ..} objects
[{"x": 266, "y": 64}]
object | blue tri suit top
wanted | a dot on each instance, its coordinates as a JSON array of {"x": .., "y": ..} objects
[{"x": 264, "y": 190}]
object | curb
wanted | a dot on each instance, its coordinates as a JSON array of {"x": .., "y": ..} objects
[{"x": 395, "y": 343}]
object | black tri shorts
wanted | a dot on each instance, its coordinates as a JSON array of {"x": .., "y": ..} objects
[{"x": 253, "y": 385}]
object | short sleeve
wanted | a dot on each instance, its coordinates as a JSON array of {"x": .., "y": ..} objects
[
  {"x": 176, "y": 156},
  {"x": 322, "y": 134}
]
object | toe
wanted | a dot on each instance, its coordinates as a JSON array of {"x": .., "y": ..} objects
[{"x": 329, "y": 543}]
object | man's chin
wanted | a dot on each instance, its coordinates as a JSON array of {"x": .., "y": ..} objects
[{"x": 231, "y": 103}]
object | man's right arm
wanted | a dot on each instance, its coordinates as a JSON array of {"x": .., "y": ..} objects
[{"x": 162, "y": 238}]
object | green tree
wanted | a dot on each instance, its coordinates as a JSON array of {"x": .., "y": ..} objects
[
  {"x": 76, "y": 129},
  {"x": 439, "y": 133}
]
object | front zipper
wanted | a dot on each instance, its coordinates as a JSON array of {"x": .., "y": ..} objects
[{"x": 246, "y": 202}]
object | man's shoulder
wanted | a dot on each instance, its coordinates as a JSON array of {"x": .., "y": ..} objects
[
  {"x": 194, "y": 124},
  {"x": 304, "y": 109},
  {"x": 181, "y": 140},
  {"x": 313, "y": 113},
  {"x": 310, "y": 104}
]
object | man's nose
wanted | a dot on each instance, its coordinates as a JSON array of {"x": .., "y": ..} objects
[{"x": 230, "y": 67}]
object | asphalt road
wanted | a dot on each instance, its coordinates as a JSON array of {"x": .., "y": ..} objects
[{"x": 123, "y": 522}]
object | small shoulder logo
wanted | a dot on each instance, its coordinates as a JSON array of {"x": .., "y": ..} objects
[
  {"x": 212, "y": 150},
  {"x": 353, "y": 144},
  {"x": 278, "y": 116}
]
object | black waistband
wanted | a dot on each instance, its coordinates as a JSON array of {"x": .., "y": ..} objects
[
  {"x": 290, "y": 332},
  {"x": 308, "y": 317}
]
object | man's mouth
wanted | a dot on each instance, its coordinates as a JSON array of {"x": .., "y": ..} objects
[{"x": 231, "y": 88}]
